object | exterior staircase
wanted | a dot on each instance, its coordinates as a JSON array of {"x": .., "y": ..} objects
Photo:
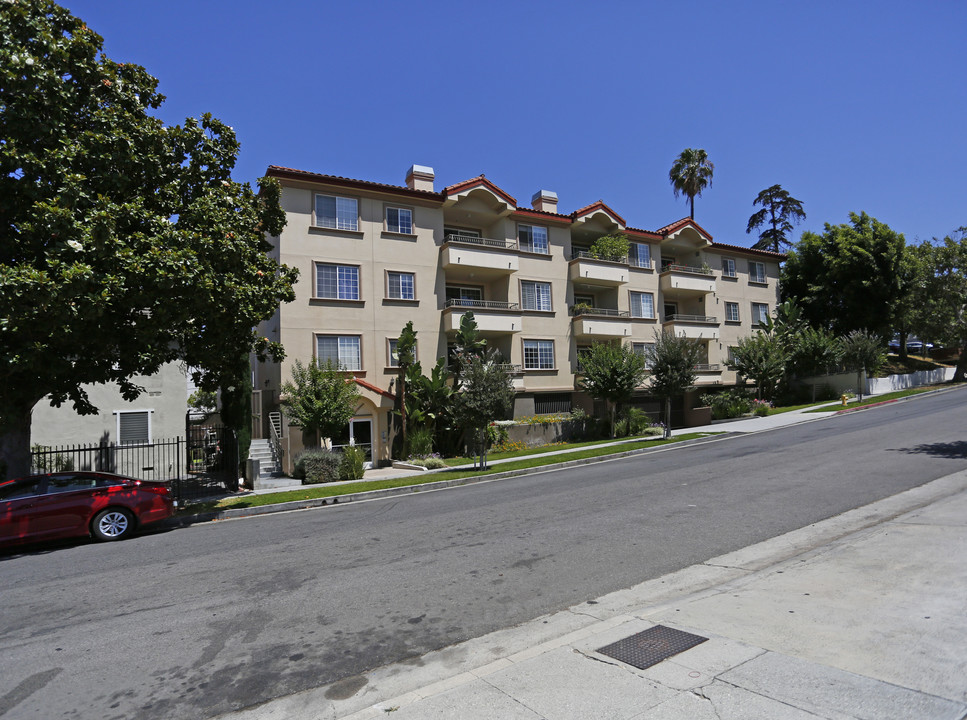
[{"x": 270, "y": 467}]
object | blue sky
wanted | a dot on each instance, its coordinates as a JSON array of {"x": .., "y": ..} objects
[{"x": 850, "y": 106}]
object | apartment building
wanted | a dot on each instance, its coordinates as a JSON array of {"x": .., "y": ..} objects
[{"x": 373, "y": 256}]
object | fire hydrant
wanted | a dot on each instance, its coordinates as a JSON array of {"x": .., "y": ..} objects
[{"x": 844, "y": 398}]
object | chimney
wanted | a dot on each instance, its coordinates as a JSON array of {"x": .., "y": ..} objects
[
  {"x": 420, "y": 177},
  {"x": 544, "y": 200}
]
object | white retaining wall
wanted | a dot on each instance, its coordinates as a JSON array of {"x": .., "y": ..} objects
[{"x": 840, "y": 382}]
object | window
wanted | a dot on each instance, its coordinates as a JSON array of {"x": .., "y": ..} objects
[
  {"x": 728, "y": 267},
  {"x": 639, "y": 255},
  {"x": 401, "y": 285},
  {"x": 341, "y": 350},
  {"x": 134, "y": 426},
  {"x": 399, "y": 220},
  {"x": 760, "y": 313},
  {"x": 21, "y": 488},
  {"x": 532, "y": 238},
  {"x": 642, "y": 305},
  {"x": 392, "y": 356},
  {"x": 731, "y": 312},
  {"x": 535, "y": 295},
  {"x": 538, "y": 354},
  {"x": 337, "y": 212},
  {"x": 757, "y": 272},
  {"x": 731, "y": 357},
  {"x": 69, "y": 482},
  {"x": 644, "y": 349},
  {"x": 337, "y": 282},
  {"x": 546, "y": 403},
  {"x": 464, "y": 295}
]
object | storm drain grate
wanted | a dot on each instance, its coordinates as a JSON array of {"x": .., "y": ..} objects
[{"x": 651, "y": 646}]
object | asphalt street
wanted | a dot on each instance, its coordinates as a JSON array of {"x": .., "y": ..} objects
[{"x": 199, "y": 621}]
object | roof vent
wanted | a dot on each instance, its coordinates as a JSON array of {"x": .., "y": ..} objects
[{"x": 420, "y": 177}]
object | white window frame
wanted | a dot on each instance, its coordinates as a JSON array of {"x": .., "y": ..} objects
[
  {"x": 392, "y": 356},
  {"x": 401, "y": 285},
  {"x": 339, "y": 279},
  {"x": 732, "y": 306},
  {"x": 541, "y": 295},
  {"x": 728, "y": 268},
  {"x": 399, "y": 226},
  {"x": 759, "y": 274},
  {"x": 637, "y": 309},
  {"x": 642, "y": 349},
  {"x": 117, "y": 426},
  {"x": 347, "y": 343},
  {"x": 344, "y": 217},
  {"x": 758, "y": 313},
  {"x": 541, "y": 348},
  {"x": 528, "y": 244},
  {"x": 635, "y": 252}
]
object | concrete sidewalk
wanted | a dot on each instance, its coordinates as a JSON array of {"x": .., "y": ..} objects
[{"x": 860, "y": 616}]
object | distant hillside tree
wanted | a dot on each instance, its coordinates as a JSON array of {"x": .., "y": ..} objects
[{"x": 779, "y": 212}]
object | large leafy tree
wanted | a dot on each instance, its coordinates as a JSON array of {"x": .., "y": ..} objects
[
  {"x": 849, "y": 277},
  {"x": 611, "y": 372},
  {"x": 124, "y": 244},
  {"x": 690, "y": 174},
  {"x": 779, "y": 212},
  {"x": 672, "y": 359},
  {"x": 942, "y": 316}
]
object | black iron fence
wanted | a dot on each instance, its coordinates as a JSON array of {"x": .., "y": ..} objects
[{"x": 202, "y": 464}]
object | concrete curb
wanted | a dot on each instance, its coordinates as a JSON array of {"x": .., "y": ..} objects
[{"x": 308, "y": 504}]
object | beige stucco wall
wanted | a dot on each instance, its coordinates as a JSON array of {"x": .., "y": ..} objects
[
  {"x": 498, "y": 272},
  {"x": 165, "y": 396}
]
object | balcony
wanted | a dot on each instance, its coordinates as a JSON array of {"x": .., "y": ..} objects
[
  {"x": 707, "y": 368},
  {"x": 686, "y": 279},
  {"x": 586, "y": 269},
  {"x": 492, "y": 316},
  {"x": 494, "y": 257},
  {"x": 697, "y": 327},
  {"x": 600, "y": 323}
]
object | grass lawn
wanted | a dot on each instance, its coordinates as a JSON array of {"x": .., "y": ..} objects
[
  {"x": 873, "y": 400},
  {"x": 552, "y": 447},
  {"x": 790, "y": 408},
  {"x": 914, "y": 363},
  {"x": 308, "y": 492}
]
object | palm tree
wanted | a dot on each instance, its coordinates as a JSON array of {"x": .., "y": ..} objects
[
  {"x": 690, "y": 174},
  {"x": 779, "y": 209}
]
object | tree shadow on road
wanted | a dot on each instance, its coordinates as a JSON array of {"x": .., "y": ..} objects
[{"x": 952, "y": 450}]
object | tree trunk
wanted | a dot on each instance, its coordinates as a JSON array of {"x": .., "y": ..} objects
[
  {"x": 960, "y": 372},
  {"x": 668, "y": 418},
  {"x": 612, "y": 409},
  {"x": 903, "y": 345},
  {"x": 692, "y": 212},
  {"x": 15, "y": 440}
]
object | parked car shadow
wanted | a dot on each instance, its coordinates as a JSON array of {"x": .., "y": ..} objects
[{"x": 952, "y": 450}]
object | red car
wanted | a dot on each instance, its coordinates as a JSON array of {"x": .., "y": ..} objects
[{"x": 79, "y": 503}]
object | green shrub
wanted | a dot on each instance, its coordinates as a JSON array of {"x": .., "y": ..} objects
[
  {"x": 497, "y": 434},
  {"x": 420, "y": 442},
  {"x": 729, "y": 404},
  {"x": 316, "y": 466},
  {"x": 351, "y": 463},
  {"x": 636, "y": 420},
  {"x": 434, "y": 463}
]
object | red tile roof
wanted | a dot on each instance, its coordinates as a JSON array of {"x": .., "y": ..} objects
[
  {"x": 292, "y": 174},
  {"x": 480, "y": 181},
  {"x": 599, "y": 205},
  {"x": 678, "y": 224},
  {"x": 377, "y": 390},
  {"x": 750, "y": 251}
]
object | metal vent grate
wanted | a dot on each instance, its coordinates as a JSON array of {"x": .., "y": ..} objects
[{"x": 651, "y": 646}]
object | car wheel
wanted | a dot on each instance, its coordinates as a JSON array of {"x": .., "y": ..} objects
[{"x": 112, "y": 524}]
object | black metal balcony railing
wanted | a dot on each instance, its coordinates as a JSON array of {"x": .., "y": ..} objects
[
  {"x": 481, "y": 304},
  {"x": 577, "y": 310},
  {"x": 487, "y": 242},
  {"x": 707, "y": 367},
  {"x": 511, "y": 369},
  {"x": 691, "y": 269},
  {"x": 641, "y": 263},
  {"x": 678, "y": 317},
  {"x": 585, "y": 255}
]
